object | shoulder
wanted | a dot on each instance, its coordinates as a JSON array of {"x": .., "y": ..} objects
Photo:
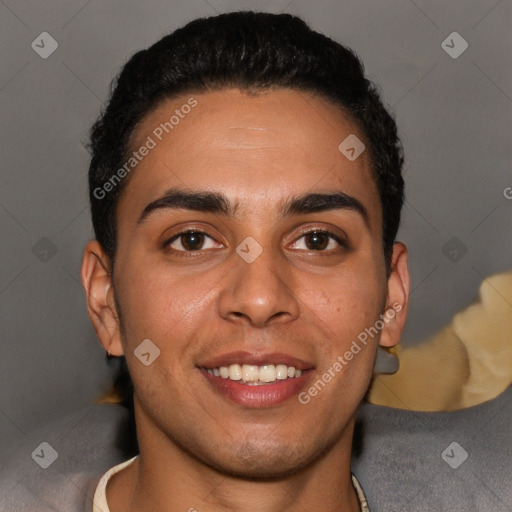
[
  {"x": 58, "y": 465},
  {"x": 458, "y": 460}
]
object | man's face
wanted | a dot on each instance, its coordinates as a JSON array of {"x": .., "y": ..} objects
[{"x": 211, "y": 300}]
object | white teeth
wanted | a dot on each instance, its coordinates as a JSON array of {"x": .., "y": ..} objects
[
  {"x": 250, "y": 373},
  {"x": 255, "y": 375},
  {"x": 281, "y": 371},
  {"x": 235, "y": 372},
  {"x": 268, "y": 373}
]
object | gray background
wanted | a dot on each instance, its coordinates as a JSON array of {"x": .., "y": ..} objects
[{"x": 454, "y": 119}]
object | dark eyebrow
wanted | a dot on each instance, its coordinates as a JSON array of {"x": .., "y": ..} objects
[
  {"x": 217, "y": 202},
  {"x": 200, "y": 201},
  {"x": 318, "y": 202}
]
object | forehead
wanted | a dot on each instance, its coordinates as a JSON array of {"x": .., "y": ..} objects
[{"x": 256, "y": 149}]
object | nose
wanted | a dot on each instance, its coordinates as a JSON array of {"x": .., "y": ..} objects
[{"x": 259, "y": 293}]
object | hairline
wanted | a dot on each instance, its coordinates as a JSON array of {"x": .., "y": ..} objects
[{"x": 250, "y": 90}]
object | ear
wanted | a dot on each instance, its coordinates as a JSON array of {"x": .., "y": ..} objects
[
  {"x": 397, "y": 300},
  {"x": 99, "y": 294}
]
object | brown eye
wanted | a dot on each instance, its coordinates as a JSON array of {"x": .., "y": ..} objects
[
  {"x": 319, "y": 241},
  {"x": 190, "y": 241}
]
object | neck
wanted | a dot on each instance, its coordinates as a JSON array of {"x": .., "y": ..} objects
[{"x": 166, "y": 478}]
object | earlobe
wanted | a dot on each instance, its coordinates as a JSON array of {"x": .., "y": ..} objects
[
  {"x": 96, "y": 279},
  {"x": 397, "y": 301}
]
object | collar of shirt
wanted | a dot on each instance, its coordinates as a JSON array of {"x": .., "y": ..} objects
[{"x": 100, "y": 496}]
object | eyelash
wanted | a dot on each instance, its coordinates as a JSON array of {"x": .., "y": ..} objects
[
  {"x": 330, "y": 234},
  {"x": 186, "y": 254},
  {"x": 199, "y": 252}
]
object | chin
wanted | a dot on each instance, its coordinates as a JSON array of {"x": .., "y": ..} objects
[{"x": 254, "y": 462}]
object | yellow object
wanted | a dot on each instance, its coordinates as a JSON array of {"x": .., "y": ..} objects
[{"x": 467, "y": 363}]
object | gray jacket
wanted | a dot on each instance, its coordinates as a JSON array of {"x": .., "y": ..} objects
[{"x": 405, "y": 461}]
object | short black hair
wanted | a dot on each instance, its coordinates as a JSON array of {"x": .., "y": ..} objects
[{"x": 252, "y": 52}]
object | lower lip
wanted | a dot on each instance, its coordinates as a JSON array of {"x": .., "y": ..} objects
[{"x": 259, "y": 396}]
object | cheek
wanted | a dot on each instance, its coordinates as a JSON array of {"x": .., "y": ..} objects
[
  {"x": 345, "y": 304},
  {"x": 166, "y": 310},
  {"x": 157, "y": 304}
]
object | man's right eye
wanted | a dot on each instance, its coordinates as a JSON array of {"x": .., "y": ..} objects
[{"x": 190, "y": 241}]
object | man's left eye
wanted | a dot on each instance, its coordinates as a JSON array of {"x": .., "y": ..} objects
[{"x": 318, "y": 241}]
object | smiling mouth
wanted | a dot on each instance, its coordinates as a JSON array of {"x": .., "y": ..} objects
[{"x": 253, "y": 375}]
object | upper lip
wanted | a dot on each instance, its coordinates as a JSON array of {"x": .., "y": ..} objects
[{"x": 255, "y": 359}]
